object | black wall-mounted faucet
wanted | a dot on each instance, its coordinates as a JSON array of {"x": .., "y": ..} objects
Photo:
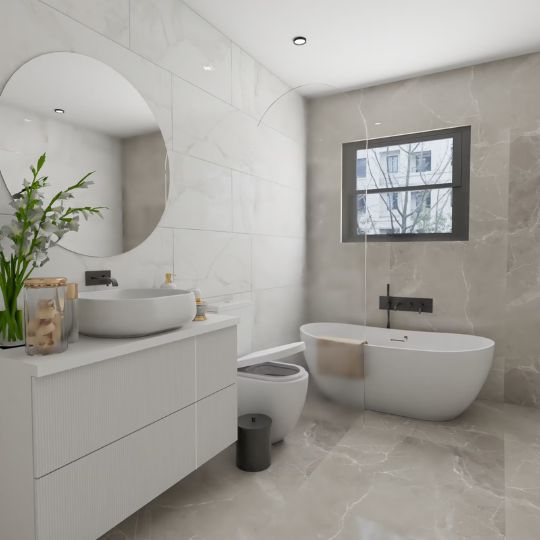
[
  {"x": 99, "y": 277},
  {"x": 403, "y": 303}
]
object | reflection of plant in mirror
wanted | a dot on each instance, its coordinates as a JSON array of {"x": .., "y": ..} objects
[{"x": 35, "y": 228}]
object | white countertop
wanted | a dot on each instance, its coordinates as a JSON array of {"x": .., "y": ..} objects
[{"x": 91, "y": 350}]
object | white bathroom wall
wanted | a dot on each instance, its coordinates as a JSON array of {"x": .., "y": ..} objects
[{"x": 234, "y": 225}]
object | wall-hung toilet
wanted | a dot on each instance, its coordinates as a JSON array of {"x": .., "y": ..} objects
[
  {"x": 266, "y": 385},
  {"x": 277, "y": 389}
]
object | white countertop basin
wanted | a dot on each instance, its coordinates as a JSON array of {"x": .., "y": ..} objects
[{"x": 120, "y": 313}]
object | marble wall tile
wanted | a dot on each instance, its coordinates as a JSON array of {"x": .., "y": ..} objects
[
  {"x": 254, "y": 88},
  {"x": 259, "y": 93},
  {"x": 143, "y": 266},
  {"x": 209, "y": 129},
  {"x": 275, "y": 323},
  {"x": 109, "y": 18},
  {"x": 218, "y": 263},
  {"x": 277, "y": 261},
  {"x": 175, "y": 37},
  {"x": 200, "y": 196},
  {"x": 264, "y": 207},
  {"x": 522, "y": 378}
]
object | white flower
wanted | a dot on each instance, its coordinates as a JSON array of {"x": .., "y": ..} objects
[{"x": 15, "y": 228}]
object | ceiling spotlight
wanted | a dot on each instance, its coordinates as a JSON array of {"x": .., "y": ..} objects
[
  {"x": 299, "y": 40},
  {"x": 208, "y": 67},
  {"x": 59, "y": 111},
  {"x": 27, "y": 120},
  {"x": 378, "y": 123}
]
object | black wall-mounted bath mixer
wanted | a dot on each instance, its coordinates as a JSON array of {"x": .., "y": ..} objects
[{"x": 403, "y": 303}]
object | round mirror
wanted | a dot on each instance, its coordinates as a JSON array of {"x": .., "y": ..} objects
[{"x": 86, "y": 117}]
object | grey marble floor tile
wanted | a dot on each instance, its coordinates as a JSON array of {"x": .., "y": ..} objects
[{"x": 352, "y": 475}]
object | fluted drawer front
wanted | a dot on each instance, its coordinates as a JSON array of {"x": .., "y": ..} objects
[
  {"x": 81, "y": 410},
  {"x": 216, "y": 361},
  {"x": 216, "y": 423},
  {"x": 85, "y": 499}
]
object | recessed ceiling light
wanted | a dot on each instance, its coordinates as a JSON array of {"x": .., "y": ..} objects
[
  {"x": 59, "y": 111},
  {"x": 208, "y": 67},
  {"x": 27, "y": 120},
  {"x": 378, "y": 123},
  {"x": 299, "y": 40}
]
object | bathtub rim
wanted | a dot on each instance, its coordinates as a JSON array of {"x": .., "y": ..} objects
[{"x": 483, "y": 345}]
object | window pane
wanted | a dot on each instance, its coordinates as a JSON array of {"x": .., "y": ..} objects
[
  {"x": 361, "y": 168},
  {"x": 411, "y": 164},
  {"x": 405, "y": 212}
]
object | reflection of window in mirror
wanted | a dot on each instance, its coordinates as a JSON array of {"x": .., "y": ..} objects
[{"x": 107, "y": 128}]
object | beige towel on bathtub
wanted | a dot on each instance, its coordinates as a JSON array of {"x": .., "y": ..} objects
[{"x": 340, "y": 357}]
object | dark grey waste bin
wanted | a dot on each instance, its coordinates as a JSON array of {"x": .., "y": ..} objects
[{"x": 253, "y": 445}]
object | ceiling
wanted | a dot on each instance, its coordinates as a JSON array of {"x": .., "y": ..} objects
[
  {"x": 93, "y": 95},
  {"x": 356, "y": 43}
]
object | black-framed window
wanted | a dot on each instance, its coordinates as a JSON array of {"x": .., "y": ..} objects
[{"x": 414, "y": 187}]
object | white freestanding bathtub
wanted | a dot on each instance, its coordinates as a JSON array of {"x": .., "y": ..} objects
[{"x": 425, "y": 375}]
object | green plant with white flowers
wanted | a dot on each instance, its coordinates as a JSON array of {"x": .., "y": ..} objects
[{"x": 36, "y": 226}]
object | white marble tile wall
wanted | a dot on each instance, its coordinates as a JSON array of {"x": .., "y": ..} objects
[{"x": 234, "y": 224}]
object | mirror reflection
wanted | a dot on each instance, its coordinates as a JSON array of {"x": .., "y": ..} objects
[{"x": 87, "y": 117}]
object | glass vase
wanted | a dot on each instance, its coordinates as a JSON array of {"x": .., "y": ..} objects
[{"x": 44, "y": 302}]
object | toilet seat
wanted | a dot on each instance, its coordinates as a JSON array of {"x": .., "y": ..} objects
[{"x": 272, "y": 372}]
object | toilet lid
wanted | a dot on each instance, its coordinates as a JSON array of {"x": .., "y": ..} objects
[{"x": 275, "y": 353}]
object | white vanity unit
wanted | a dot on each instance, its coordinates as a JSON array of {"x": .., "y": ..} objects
[{"x": 90, "y": 435}]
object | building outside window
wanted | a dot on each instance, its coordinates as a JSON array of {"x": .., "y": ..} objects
[
  {"x": 422, "y": 198},
  {"x": 393, "y": 200},
  {"x": 392, "y": 162},
  {"x": 422, "y": 161}
]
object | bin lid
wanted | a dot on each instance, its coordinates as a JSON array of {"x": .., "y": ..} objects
[{"x": 254, "y": 421}]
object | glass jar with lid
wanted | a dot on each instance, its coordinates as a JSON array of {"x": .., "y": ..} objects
[{"x": 44, "y": 301}]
